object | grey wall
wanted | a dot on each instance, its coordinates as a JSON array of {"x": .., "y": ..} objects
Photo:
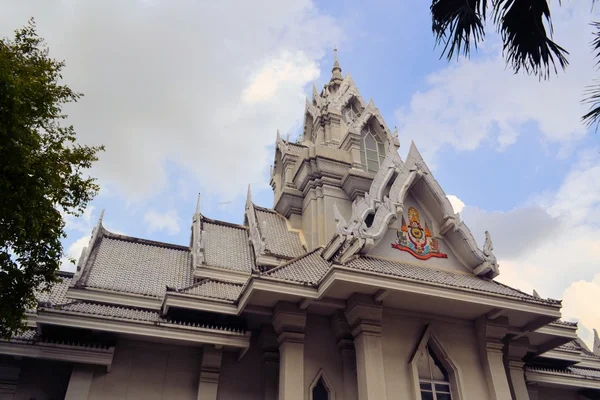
[{"x": 42, "y": 380}]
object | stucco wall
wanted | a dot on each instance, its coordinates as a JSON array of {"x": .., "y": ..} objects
[
  {"x": 401, "y": 335},
  {"x": 42, "y": 380},
  {"x": 242, "y": 379},
  {"x": 149, "y": 371},
  {"x": 320, "y": 353}
]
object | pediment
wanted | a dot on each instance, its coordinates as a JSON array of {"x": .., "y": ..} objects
[{"x": 414, "y": 198}]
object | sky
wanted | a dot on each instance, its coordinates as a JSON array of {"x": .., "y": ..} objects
[{"x": 187, "y": 98}]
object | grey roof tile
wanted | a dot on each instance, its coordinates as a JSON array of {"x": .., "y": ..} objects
[
  {"x": 310, "y": 269},
  {"x": 137, "y": 266},
  {"x": 214, "y": 289},
  {"x": 279, "y": 240},
  {"x": 227, "y": 246},
  {"x": 446, "y": 278},
  {"x": 586, "y": 373},
  {"x": 58, "y": 292}
]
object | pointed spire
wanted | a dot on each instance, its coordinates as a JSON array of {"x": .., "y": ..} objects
[{"x": 336, "y": 71}]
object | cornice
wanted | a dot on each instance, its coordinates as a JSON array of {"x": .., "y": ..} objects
[
  {"x": 111, "y": 297},
  {"x": 222, "y": 274},
  {"x": 218, "y": 337},
  {"x": 60, "y": 352},
  {"x": 550, "y": 377}
]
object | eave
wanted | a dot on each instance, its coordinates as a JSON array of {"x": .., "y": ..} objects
[
  {"x": 548, "y": 377},
  {"x": 222, "y": 274},
  {"x": 60, "y": 352},
  {"x": 184, "y": 333},
  {"x": 113, "y": 297}
]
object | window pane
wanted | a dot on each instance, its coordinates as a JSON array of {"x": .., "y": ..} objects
[
  {"x": 425, "y": 385},
  {"x": 373, "y": 166},
  {"x": 320, "y": 391},
  {"x": 372, "y": 155},
  {"x": 440, "y": 387},
  {"x": 443, "y": 396},
  {"x": 370, "y": 142},
  {"x": 377, "y": 138},
  {"x": 380, "y": 148},
  {"x": 426, "y": 395},
  {"x": 363, "y": 160}
]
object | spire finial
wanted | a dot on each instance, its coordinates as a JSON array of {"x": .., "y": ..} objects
[{"x": 336, "y": 72}]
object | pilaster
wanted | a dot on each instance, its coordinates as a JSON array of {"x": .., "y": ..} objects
[
  {"x": 491, "y": 349},
  {"x": 80, "y": 382},
  {"x": 345, "y": 347},
  {"x": 364, "y": 316},
  {"x": 270, "y": 360},
  {"x": 210, "y": 369},
  {"x": 516, "y": 350},
  {"x": 289, "y": 322}
]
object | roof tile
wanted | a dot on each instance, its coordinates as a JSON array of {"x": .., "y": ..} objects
[
  {"x": 214, "y": 289},
  {"x": 310, "y": 269},
  {"x": 227, "y": 247},
  {"x": 279, "y": 240}
]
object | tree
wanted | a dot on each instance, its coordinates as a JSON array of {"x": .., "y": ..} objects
[
  {"x": 525, "y": 28},
  {"x": 42, "y": 173}
]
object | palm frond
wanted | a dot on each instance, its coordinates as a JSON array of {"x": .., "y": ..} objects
[
  {"x": 458, "y": 24},
  {"x": 527, "y": 45},
  {"x": 592, "y": 92}
]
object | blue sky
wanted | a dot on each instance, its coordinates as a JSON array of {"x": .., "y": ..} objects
[{"x": 188, "y": 99}]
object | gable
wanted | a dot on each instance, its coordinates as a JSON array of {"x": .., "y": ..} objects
[{"x": 413, "y": 237}]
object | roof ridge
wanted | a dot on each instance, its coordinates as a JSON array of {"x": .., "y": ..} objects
[
  {"x": 148, "y": 242},
  {"x": 293, "y": 260},
  {"x": 65, "y": 274},
  {"x": 223, "y": 223}
]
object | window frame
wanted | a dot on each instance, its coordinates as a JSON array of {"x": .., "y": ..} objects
[
  {"x": 378, "y": 149},
  {"x": 321, "y": 375}
]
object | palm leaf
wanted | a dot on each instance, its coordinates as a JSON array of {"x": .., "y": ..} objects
[
  {"x": 527, "y": 45},
  {"x": 592, "y": 92},
  {"x": 458, "y": 24}
]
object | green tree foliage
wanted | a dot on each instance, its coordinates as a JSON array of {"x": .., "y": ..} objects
[
  {"x": 525, "y": 27},
  {"x": 42, "y": 173}
]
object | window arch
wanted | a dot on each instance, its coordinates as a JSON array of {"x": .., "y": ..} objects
[
  {"x": 372, "y": 149},
  {"x": 433, "y": 378},
  {"x": 320, "y": 388}
]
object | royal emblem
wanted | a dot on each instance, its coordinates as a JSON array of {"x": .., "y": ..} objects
[{"x": 415, "y": 239}]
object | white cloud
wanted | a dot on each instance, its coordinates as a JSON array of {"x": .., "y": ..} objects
[
  {"x": 74, "y": 252},
  {"x": 457, "y": 204},
  {"x": 202, "y": 86},
  {"x": 471, "y": 102},
  {"x": 553, "y": 246},
  {"x": 168, "y": 221}
]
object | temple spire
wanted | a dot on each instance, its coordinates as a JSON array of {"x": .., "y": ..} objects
[{"x": 336, "y": 72}]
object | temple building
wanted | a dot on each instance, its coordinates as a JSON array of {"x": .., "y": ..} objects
[{"x": 360, "y": 283}]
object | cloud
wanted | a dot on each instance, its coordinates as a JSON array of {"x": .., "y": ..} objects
[
  {"x": 552, "y": 244},
  {"x": 168, "y": 221},
  {"x": 472, "y": 102},
  {"x": 457, "y": 204},
  {"x": 201, "y": 85},
  {"x": 73, "y": 252}
]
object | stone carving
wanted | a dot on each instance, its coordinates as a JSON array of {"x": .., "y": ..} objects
[{"x": 415, "y": 238}]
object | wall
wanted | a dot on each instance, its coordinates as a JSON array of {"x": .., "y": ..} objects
[
  {"x": 149, "y": 371},
  {"x": 401, "y": 335},
  {"x": 544, "y": 393},
  {"x": 42, "y": 380},
  {"x": 242, "y": 379},
  {"x": 320, "y": 353}
]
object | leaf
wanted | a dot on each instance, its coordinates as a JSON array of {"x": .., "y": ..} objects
[{"x": 458, "y": 24}]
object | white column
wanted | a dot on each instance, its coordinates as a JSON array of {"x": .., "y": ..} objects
[
  {"x": 80, "y": 382},
  {"x": 210, "y": 368},
  {"x": 517, "y": 349},
  {"x": 364, "y": 316},
  {"x": 270, "y": 360},
  {"x": 489, "y": 335},
  {"x": 289, "y": 322}
]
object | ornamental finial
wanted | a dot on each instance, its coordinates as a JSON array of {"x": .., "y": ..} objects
[{"x": 336, "y": 72}]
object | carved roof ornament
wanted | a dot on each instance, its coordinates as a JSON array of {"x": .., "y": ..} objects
[
  {"x": 596, "y": 346},
  {"x": 280, "y": 144},
  {"x": 255, "y": 236},
  {"x": 198, "y": 237},
  {"x": 336, "y": 71},
  {"x": 372, "y": 214},
  {"x": 97, "y": 233}
]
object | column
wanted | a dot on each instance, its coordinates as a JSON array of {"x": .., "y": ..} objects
[
  {"x": 270, "y": 360},
  {"x": 517, "y": 349},
  {"x": 289, "y": 322},
  {"x": 364, "y": 316},
  {"x": 80, "y": 382},
  {"x": 489, "y": 335},
  {"x": 345, "y": 346},
  {"x": 210, "y": 368}
]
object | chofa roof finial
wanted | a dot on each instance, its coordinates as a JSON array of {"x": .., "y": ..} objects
[
  {"x": 336, "y": 72},
  {"x": 198, "y": 204}
]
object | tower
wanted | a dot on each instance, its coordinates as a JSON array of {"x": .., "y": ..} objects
[{"x": 343, "y": 143}]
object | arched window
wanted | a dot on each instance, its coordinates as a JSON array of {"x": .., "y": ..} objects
[
  {"x": 320, "y": 391},
  {"x": 350, "y": 113},
  {"x": 372, "y": 150},
  {"x": 433, "y": 378}
]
